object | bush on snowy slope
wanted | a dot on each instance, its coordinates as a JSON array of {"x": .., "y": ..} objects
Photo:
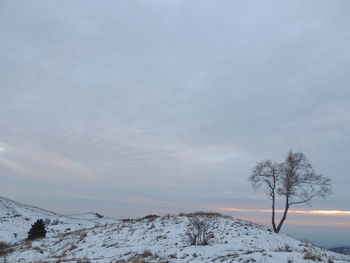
[
  {"x": 199, "y": 231},
  {"x": 37, "y": 230},
  {"x": 99, "y": 215}
]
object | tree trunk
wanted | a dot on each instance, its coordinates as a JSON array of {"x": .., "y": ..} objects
[
  {"x": 284, "y": 216},
  {"x": 273, "y": 215}
]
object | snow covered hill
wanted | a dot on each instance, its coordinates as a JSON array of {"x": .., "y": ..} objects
[
  {"x": 166, "y": 239},
  {"x": 16, "y": 219}
]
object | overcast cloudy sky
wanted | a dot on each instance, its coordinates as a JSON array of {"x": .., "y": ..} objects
[{"x": 136, "y": 107}]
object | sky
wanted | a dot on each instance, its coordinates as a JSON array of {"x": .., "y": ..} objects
[{"x": 129, "y": 108}]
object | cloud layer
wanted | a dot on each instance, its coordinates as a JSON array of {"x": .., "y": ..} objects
[{"x": 137, "y": 106}]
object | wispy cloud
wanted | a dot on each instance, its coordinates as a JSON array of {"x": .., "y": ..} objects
[
  {"x": 33, "y": 161},
  {"x": 311, "y": 212}
]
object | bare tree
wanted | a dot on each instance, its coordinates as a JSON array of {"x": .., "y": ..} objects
[
  {"x": 199, "y": 231},
  {"x": 294, "y": 179}
]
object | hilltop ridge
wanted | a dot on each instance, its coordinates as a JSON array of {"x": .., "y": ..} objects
[{"x": 159, "y": 239}]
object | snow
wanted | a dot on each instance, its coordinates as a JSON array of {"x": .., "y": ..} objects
[
  {"x": 154, "y": 239},
  {"x": 16, "y": 219}
]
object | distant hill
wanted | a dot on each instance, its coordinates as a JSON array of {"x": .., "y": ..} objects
[
  {"x": 90, "y": 238},
  {"x": 341, "y": 250}
]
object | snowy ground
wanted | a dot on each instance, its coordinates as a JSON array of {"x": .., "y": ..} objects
[
  {"x": 16, "y": 219},
  {"x": 163, "y": 239}
]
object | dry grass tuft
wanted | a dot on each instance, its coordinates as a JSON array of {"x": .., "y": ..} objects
[
  {"x": 202, "y": 213},
  {"x": 312, "y": 256},
  {"x": 5, "y": 249}
]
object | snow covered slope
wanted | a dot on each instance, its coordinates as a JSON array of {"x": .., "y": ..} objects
[
  {"x": 89, "y": 238},
  {"x": 16, "y": 219},
  {"x": 164, "y": 239}
]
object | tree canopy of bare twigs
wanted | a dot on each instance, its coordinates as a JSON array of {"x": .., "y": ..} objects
[
  {"x": 294, "y": 180},
  {"x": 199, "y": 231}
]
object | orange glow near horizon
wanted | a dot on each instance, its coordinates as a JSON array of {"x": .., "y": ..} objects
[{"x": 309, "y": 212}]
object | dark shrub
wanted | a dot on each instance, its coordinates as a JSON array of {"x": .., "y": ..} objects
[
  {"x": 98, "y": 215},
  {"x": 199, "y": 231},
  {"x": 37, "y": 230}
]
